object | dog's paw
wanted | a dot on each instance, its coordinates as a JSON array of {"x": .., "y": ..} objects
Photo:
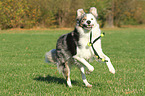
[
  {"x": 89, "y": 86},
  {"x": 70, "y": 86},
  {"x": 91, "y": 68},
  {"x": 112, "y": 70},
  {"x": 69, "y": 83}
]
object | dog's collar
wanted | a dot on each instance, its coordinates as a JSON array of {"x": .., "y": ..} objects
[{"x": 91, "y": 44}]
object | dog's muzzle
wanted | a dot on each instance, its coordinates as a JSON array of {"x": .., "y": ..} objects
[{"x": 88, "y": 26}]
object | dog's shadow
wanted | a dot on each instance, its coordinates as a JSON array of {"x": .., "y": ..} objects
[{"x": 53, "y": 79}]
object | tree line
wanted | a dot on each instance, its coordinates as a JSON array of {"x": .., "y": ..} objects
[{"x": 62, "y": 13}]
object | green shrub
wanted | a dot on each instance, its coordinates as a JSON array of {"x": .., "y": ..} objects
[
  {"x": 18, "y": 13},
  {"x": 62, "y": 13}
]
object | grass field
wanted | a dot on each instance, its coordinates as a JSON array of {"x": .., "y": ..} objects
[{"x": 24, "y": 72}]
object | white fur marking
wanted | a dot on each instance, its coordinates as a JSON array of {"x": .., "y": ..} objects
[
  {"x": 82, "y": 60},
  {"x": 84, "y": 77},
  {"x": 69, "y": 82}
]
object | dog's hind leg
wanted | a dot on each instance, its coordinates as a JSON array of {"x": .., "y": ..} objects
[{"x": 66, "y": 74}]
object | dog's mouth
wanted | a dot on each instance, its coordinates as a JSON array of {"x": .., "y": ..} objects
[{"x": 88, "y": 26}]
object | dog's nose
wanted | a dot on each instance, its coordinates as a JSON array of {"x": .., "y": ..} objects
[{"x": 88, "y": 21}]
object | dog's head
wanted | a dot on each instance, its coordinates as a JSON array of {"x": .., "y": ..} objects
[{"x": 87, "y": 20}]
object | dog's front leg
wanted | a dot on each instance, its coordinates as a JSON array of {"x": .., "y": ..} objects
[
  {"x": 66, "y": 74},
  {"x": 102, "y": 55},
  {"x": 83, "y": 61},
  {"x": 110, "y": 66},
  {"x": 84, "y": 77}
]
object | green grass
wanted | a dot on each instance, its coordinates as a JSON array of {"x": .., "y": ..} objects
[{"x": 23, "y": 71}]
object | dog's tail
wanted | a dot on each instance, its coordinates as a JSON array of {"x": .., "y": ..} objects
[{"x": 50, "y": 57}]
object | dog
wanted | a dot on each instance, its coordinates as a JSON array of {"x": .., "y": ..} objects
[{"x": 75, "y": 48}]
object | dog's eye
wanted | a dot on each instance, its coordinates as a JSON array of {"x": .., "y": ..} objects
[
  {"x": 91, "y": 18},
  {"x": 84, "y": 19}
]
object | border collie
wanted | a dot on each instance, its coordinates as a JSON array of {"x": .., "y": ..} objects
[{"x": 78, "y": 46}]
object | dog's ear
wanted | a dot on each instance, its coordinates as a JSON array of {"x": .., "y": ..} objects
[
  {"x": 80, "y": 12},
  {"x": 93, "y": 10}
]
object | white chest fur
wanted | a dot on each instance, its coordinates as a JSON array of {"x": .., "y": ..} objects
[{"x": 85, "y": 51}]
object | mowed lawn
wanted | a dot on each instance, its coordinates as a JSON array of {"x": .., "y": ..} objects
[{"x": 24, "y": 72}]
